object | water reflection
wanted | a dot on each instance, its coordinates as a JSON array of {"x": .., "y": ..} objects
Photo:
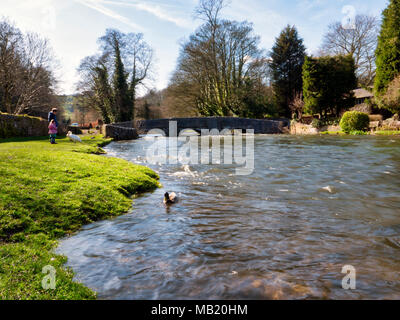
[{"x": 312, "y": 205}]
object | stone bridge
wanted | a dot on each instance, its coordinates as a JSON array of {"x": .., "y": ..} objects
[
  {"x": 275, "y": 126},
  {"x": 130, "y": 130}
]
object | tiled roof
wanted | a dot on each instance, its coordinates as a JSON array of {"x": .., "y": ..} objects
[{"x": 362, "y": 93}]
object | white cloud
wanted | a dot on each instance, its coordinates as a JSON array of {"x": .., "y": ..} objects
[
  {"x": 95, "y": 5},
  {"x": 154, "y": 9},
  {"x": 161, "y": 14}
]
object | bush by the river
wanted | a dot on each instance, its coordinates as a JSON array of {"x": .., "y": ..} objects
[{"x": 354, "y": 121}]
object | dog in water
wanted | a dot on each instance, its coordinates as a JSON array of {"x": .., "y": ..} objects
[
  {"x": 170, "y": 198},
  {"x": 73, "y": 138}
]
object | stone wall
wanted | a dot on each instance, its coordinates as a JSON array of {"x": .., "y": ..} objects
[
  {"x": 391, "y": 124},
  {"x": 22, "y": 126},
  {"x": 306, "y": 129},
  {"x": 120, "y": 131},
  {"x": 303, "y": 129},
  {"x": 128, "y": 124}
]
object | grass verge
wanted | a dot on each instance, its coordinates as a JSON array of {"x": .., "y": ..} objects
[
  {"x": 333, "y": 133},
  {"x": 388, "y": 133},
  {"x": 49, "y": 191}
]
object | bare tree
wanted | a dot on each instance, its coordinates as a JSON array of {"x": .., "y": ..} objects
[
  {"x": 38, "y": 84},
  {"x": 26, "y": 71},
  {"x": 139, "y": 59},
  {"x": 10, "y": 63},
  {"x": 111, "y": 79},
  {"x": 136, "y": 54},
  {"x": 209, "y": 10},
  {"x": 217, "y": 63},
  {"x": 360, "y": 42},
  {"x": 297, "y": 105},
  {"x": 95, "y": 87}
]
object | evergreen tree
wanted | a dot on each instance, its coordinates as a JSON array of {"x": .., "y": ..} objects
[
  {"x": 312, "y": 89},
  {"x": 287, "y": 62},
  {"x": 328, "y": 83},
  {"x": 121, "y": 92},
  {"x": 388, "y": 50}
]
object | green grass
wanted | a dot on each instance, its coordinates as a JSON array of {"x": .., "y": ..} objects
[
  {"x": 359, "y": 133},
  {"x": 333, "y": 133},
  {"x": 50, "y": 191},
  {"x": 388, "y": 133}
]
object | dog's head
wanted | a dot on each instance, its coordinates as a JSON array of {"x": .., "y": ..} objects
[{"x": 69, "y": 133}]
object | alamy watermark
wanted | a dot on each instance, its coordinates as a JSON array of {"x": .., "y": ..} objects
[
  {"x": 349, "y": 281},
  {"x": 349, "y": 20},
  {"x": 189, "y": 149},
  {"x": 49, "y": 281}
]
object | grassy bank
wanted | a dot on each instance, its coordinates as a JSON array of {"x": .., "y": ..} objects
[
  {"x": 49, "y": 191},
  {"x": 388, "y": 133}
]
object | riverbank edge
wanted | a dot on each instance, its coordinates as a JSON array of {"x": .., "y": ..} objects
[
  {"x": 300, "y": 129},
  {"x": 31, "y": 243},
  {"x": 358, "y": 133}
]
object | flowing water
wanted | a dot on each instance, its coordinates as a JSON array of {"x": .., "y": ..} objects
[{"x": 312, "y": 206}]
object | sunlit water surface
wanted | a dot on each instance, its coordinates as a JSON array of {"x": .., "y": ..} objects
[{"x": 312, "y": 206}]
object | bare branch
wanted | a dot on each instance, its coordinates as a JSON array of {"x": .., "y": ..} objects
[{"x": 360, "y": 42}]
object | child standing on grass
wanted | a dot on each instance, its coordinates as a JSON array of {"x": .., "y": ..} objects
[{"x": 53, "y": 131}]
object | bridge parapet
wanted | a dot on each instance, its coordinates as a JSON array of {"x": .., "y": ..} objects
[
  {"x": 121, "y": 131},
  {"x": 270, "y": 126},
  {"x": 130, "y": 130}
]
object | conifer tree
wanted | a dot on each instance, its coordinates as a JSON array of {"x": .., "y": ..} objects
[
  {"x": 388, "y": 50},
  {"x": 121, "y": 94},
  {"x": 328, "y": 83},
  {"x": 287, "y": 62}
]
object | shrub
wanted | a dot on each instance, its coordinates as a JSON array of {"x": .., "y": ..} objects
[
  {"x": 320, "y": 123},
  {"x": 316, "y": 123},
  {"x": 391, "y": 99},
  {"x": 354, "y": 121}
]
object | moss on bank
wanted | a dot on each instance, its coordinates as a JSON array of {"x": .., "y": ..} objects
[{"x": 49, "y": 191}]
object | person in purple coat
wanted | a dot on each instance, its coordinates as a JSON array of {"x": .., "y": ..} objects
[{"x": 53, "y": 131}]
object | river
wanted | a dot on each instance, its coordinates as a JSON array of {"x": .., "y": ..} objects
[{"x": 312, "y": 205}]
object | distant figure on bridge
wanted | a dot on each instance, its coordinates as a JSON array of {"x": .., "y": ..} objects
[{"x": 53, "y": 116}]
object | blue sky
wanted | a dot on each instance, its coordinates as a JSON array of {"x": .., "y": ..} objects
[{"x": 73, "y": 26}]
